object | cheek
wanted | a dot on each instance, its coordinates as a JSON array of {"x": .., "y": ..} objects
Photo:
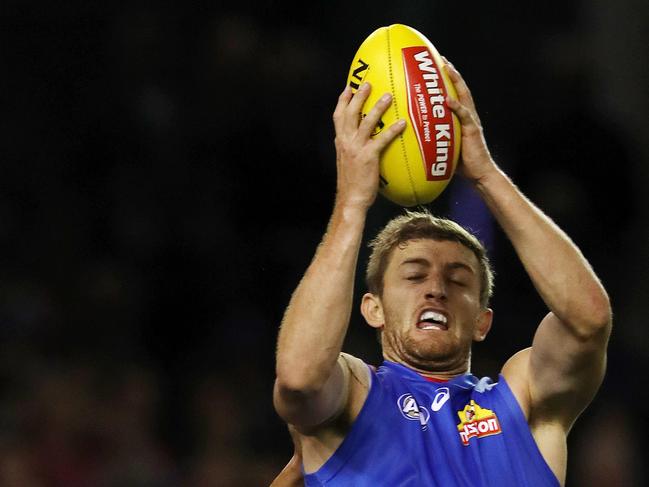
[
  {"x": 466, "y": 305},
  {"x": 393, "y": 296},
  {"x": 390, "y": 311},
  {"x": 395, "y": 309},
  {"x": 469, "y": 296},
  {"x": 400, "y": 301}
]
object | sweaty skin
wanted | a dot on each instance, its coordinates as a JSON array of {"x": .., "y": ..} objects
[{"x": 320, "y": 391}]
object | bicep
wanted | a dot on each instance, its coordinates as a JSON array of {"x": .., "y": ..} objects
[
  {"x": 309, "y": 409},
  {"x": 564, "y": 370}
]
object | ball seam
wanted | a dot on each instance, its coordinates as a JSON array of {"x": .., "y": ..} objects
[{"x": 396, "y": 110}]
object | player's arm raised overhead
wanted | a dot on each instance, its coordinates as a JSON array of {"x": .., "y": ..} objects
[
  {"x": 559, "y": 375},
  {"x": 311, "y": 379}
]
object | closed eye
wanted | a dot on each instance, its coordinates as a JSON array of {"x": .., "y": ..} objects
[{"x": 416, "y": 277}]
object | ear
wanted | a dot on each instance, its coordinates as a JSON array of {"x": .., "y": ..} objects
[
  {"x": 483, "y": 324},
  {"x": 372, "y": 310}
]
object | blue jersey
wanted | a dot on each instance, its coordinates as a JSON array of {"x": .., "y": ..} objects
[{"x": 413, "y": 432}]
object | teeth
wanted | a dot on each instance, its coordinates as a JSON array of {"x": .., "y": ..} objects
[
  {"x": 433, "y": 315},
  {"x": 431, "y": 326}
]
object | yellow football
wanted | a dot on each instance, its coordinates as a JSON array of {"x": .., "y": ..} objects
[{"x": 416, "y": 167}]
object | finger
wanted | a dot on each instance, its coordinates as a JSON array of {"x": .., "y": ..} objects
[
  {"x": 388, "y": 135},
  {"x": 368, "y": 124},
  {"x": 353, "y": 110},
  {"x": 343, "y": 101},
  {"x": 463, "y": 93},
  {"x": 467, "y": 117}
]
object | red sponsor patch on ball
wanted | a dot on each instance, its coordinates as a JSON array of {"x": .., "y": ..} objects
[{"x": 431, "y": 118}]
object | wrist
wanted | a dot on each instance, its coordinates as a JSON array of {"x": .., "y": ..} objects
[
  {"x": 487, "y": 177},
  {"x": 349, "y": 213},
  {"x": 352, "y": 207}
]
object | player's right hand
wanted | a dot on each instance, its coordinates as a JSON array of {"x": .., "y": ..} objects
[{"x": 357, "y": 154}]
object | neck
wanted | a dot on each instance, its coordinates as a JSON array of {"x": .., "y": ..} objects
[
  {"x": 431, "y": 372},
  {"x": 437, "y": 376},
  {"x": 436, "y": 362}
]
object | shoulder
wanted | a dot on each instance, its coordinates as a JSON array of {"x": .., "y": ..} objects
[
  {"x": 358, "y": 379},
  {"x": 355, "y": 380},
  {"x": 321, "y": 441},
  {"x": 516, "y": 373},
  {"x": 548, "y": 431},
  {"x": 358, "y": 370}
]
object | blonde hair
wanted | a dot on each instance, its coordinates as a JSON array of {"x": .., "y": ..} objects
[{"x": 416, "y": 225}]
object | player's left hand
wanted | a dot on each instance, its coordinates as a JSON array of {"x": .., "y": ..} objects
[{"x": 476, "y": 161}]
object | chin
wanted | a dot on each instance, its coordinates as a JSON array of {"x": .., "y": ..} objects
[
  {"x": 435, "y": 356},
  {"x": 429, "y": 353}
]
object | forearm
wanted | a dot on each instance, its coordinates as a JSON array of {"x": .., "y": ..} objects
[
  {"x": 557, "y": 268},
  {"x": 316, "y": 320}
]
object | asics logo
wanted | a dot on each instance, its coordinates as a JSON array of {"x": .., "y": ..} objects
[{"x": 443, "y": 394}]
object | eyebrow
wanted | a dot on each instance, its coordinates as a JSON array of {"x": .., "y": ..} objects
[
  {"x": 417, "y": 260},
  {"x": 460, "y": 265},
  {"x": 426, "y": 263}
]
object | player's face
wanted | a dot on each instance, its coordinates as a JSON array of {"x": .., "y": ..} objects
[{"x": 431, "y": 305}]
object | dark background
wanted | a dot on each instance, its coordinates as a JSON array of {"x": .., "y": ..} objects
[{"x": 168, "y": 170}]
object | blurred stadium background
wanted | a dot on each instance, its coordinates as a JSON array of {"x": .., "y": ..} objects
[{"x": 168, "y": 169}]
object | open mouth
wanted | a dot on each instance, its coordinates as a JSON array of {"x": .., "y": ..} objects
[{"x": 432, "y": 320}]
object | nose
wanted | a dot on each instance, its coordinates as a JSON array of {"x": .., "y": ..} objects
[{"x": 436, "y": 289}]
